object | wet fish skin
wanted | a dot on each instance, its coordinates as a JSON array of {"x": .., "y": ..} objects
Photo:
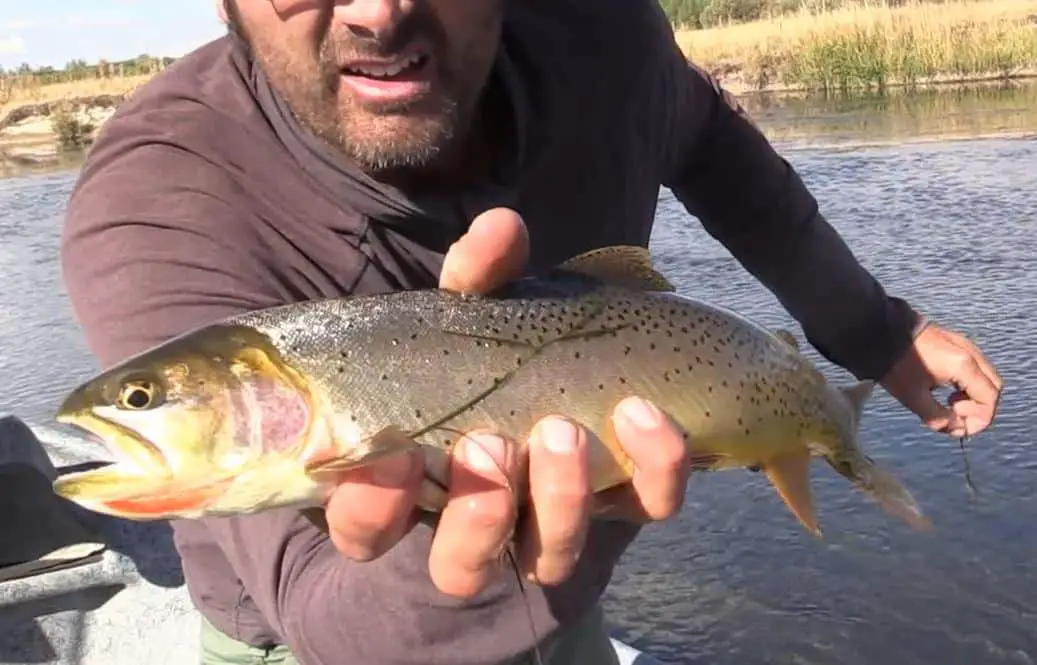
[{"x": 265, "y": 409}]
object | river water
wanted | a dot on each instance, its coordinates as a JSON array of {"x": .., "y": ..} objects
[{"x": 934, "y": 193}]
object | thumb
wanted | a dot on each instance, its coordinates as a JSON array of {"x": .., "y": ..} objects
[
  {"x": 922, "y": 402},
  {"x": 493, "y": 251},
  {"x": 912, "y": 385}
]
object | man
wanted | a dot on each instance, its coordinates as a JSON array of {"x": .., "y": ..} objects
[{"x": 326, "y": 148}]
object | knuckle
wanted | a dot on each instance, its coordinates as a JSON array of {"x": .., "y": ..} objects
[
  {"x": 664, "y": 502},
  {"x": 555, "y": 571},
  {"x": 566, "y": 491},
  {"x": 455, "y": 579},
  {"x": 963, "y": 362},
  {"x": 488, "y": 512},
  {"x": 352, "y": 548},
  {"x": 673, "y": 456}
]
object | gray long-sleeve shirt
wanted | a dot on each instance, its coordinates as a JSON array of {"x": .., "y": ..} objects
[{"x": 203, "y": 198}]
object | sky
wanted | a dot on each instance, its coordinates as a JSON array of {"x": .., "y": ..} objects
[{"x": 52, "y": 32}]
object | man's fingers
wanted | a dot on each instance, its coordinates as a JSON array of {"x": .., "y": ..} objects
[
  {"x": 659, "y": 453},
  {"x": 372, "y": 507},
  {"x": 493, "y": 251},
  {"x": 972, "y": 416},
  {"x": 981, "y": 359},
  {"x": 559, "y": 487},
  {"x": 479, "y": 516},
  {"x": 971, "y": 380}
]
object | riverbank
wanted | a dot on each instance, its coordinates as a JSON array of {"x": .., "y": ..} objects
[
  {"x": 40, "y": 124},
  {"x": 852, "y": 49},
  {"x": 859, "y": 48}
]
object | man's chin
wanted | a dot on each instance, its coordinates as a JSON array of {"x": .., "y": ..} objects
[{"x": 395, "y": 141}]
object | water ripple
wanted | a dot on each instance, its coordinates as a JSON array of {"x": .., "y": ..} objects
[{"x": 734, "y": 580}]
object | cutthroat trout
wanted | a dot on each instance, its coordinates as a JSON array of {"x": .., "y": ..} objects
[{"x": 265, "y": 409}]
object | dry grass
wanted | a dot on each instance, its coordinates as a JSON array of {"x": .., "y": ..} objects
[
  {"x": 27, "y": 91},
  {"x": 873, "y": 46}
]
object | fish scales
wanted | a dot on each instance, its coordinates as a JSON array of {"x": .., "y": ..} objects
[
  {"x": 267, "y": 408},
  {"x": 439, "y": 364}
]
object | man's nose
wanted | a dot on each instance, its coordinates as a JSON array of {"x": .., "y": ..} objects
[{"x": 376, "y": 19}]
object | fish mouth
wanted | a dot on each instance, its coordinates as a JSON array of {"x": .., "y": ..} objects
[
  {"x": 135, "y": 456},
  {"x": 113, "y": 491},
  {"x": 140, "y": 485}
]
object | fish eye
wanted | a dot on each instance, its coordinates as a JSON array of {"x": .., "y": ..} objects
[{"x": 138, "y": 395}]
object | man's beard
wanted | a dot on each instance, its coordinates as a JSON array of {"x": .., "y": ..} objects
[
  {"x": 411, "y": 136},
  {"x": 391, "y": 137}
]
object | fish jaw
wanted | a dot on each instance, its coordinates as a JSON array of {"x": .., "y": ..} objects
[
  {"x": 119, "y": 491},
  {"x": 135, "y": 454}
]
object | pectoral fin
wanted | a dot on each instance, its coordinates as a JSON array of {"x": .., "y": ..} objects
[
  {"x": 337, "y": 457},
  {"x": 787, "y": 337},
  {"x": 790, "y": 476}
]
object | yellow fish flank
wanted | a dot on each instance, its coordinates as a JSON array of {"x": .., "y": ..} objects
[{"x": 264, "y": 409}]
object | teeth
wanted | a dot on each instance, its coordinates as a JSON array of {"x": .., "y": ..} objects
[{"x": 387, "y": 70}]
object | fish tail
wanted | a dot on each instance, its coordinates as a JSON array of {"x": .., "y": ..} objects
[
  {"x": 889, "y": 493},
  {"x": 870, "y": 478}
]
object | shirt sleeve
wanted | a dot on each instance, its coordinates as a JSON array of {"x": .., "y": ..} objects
[
  {"x": 143, "y": 262},
  {"x": 725, "y": 172}
]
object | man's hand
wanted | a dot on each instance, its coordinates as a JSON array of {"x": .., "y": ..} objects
[
  {"x": 940, "y": 357},
  {"x": 373, "y": 507}
]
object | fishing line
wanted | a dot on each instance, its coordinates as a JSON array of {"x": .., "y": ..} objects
[
  {"x": 510, "y": 551},
  {"x": 965, "y": 456}
]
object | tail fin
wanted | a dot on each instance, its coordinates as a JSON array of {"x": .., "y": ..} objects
[
  {"x": 889, "y": 493},
  {"x": 877, "y": 483}
]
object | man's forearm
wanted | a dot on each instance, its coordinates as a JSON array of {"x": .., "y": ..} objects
[{"x": 756, "y": 205}]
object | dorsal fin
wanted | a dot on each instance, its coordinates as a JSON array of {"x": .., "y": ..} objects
[
  {"x": 787, "y": 337},
  {"x": 623, "y": 265}
]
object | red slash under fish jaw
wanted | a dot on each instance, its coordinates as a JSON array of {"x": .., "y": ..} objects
[{"x": 171, "y": 501}]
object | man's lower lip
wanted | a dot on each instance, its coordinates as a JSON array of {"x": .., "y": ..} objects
[{"x": 385, "y": 90}]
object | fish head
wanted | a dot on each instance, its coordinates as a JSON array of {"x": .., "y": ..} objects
[{"x": 185, "y": 420}]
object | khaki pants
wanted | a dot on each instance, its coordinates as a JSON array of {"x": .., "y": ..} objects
[{"x": 585, "y": 643}]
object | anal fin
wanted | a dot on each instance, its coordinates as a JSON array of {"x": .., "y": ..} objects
[{"x": 790, "y": 476}]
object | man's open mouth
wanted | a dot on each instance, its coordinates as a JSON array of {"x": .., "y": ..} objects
[
  {"x": 400, "y": 80},
  {"x": 401, "y": 68}
]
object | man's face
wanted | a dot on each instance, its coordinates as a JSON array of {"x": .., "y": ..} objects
[{"x": 390, "y": 82}]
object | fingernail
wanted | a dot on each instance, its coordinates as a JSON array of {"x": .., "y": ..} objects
[
  {"x": 485, "y": 453},
  {"x": 393, "y": 471},
  {"x": 642, "y": 414},
  {"x": 557, "y": 435}
]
